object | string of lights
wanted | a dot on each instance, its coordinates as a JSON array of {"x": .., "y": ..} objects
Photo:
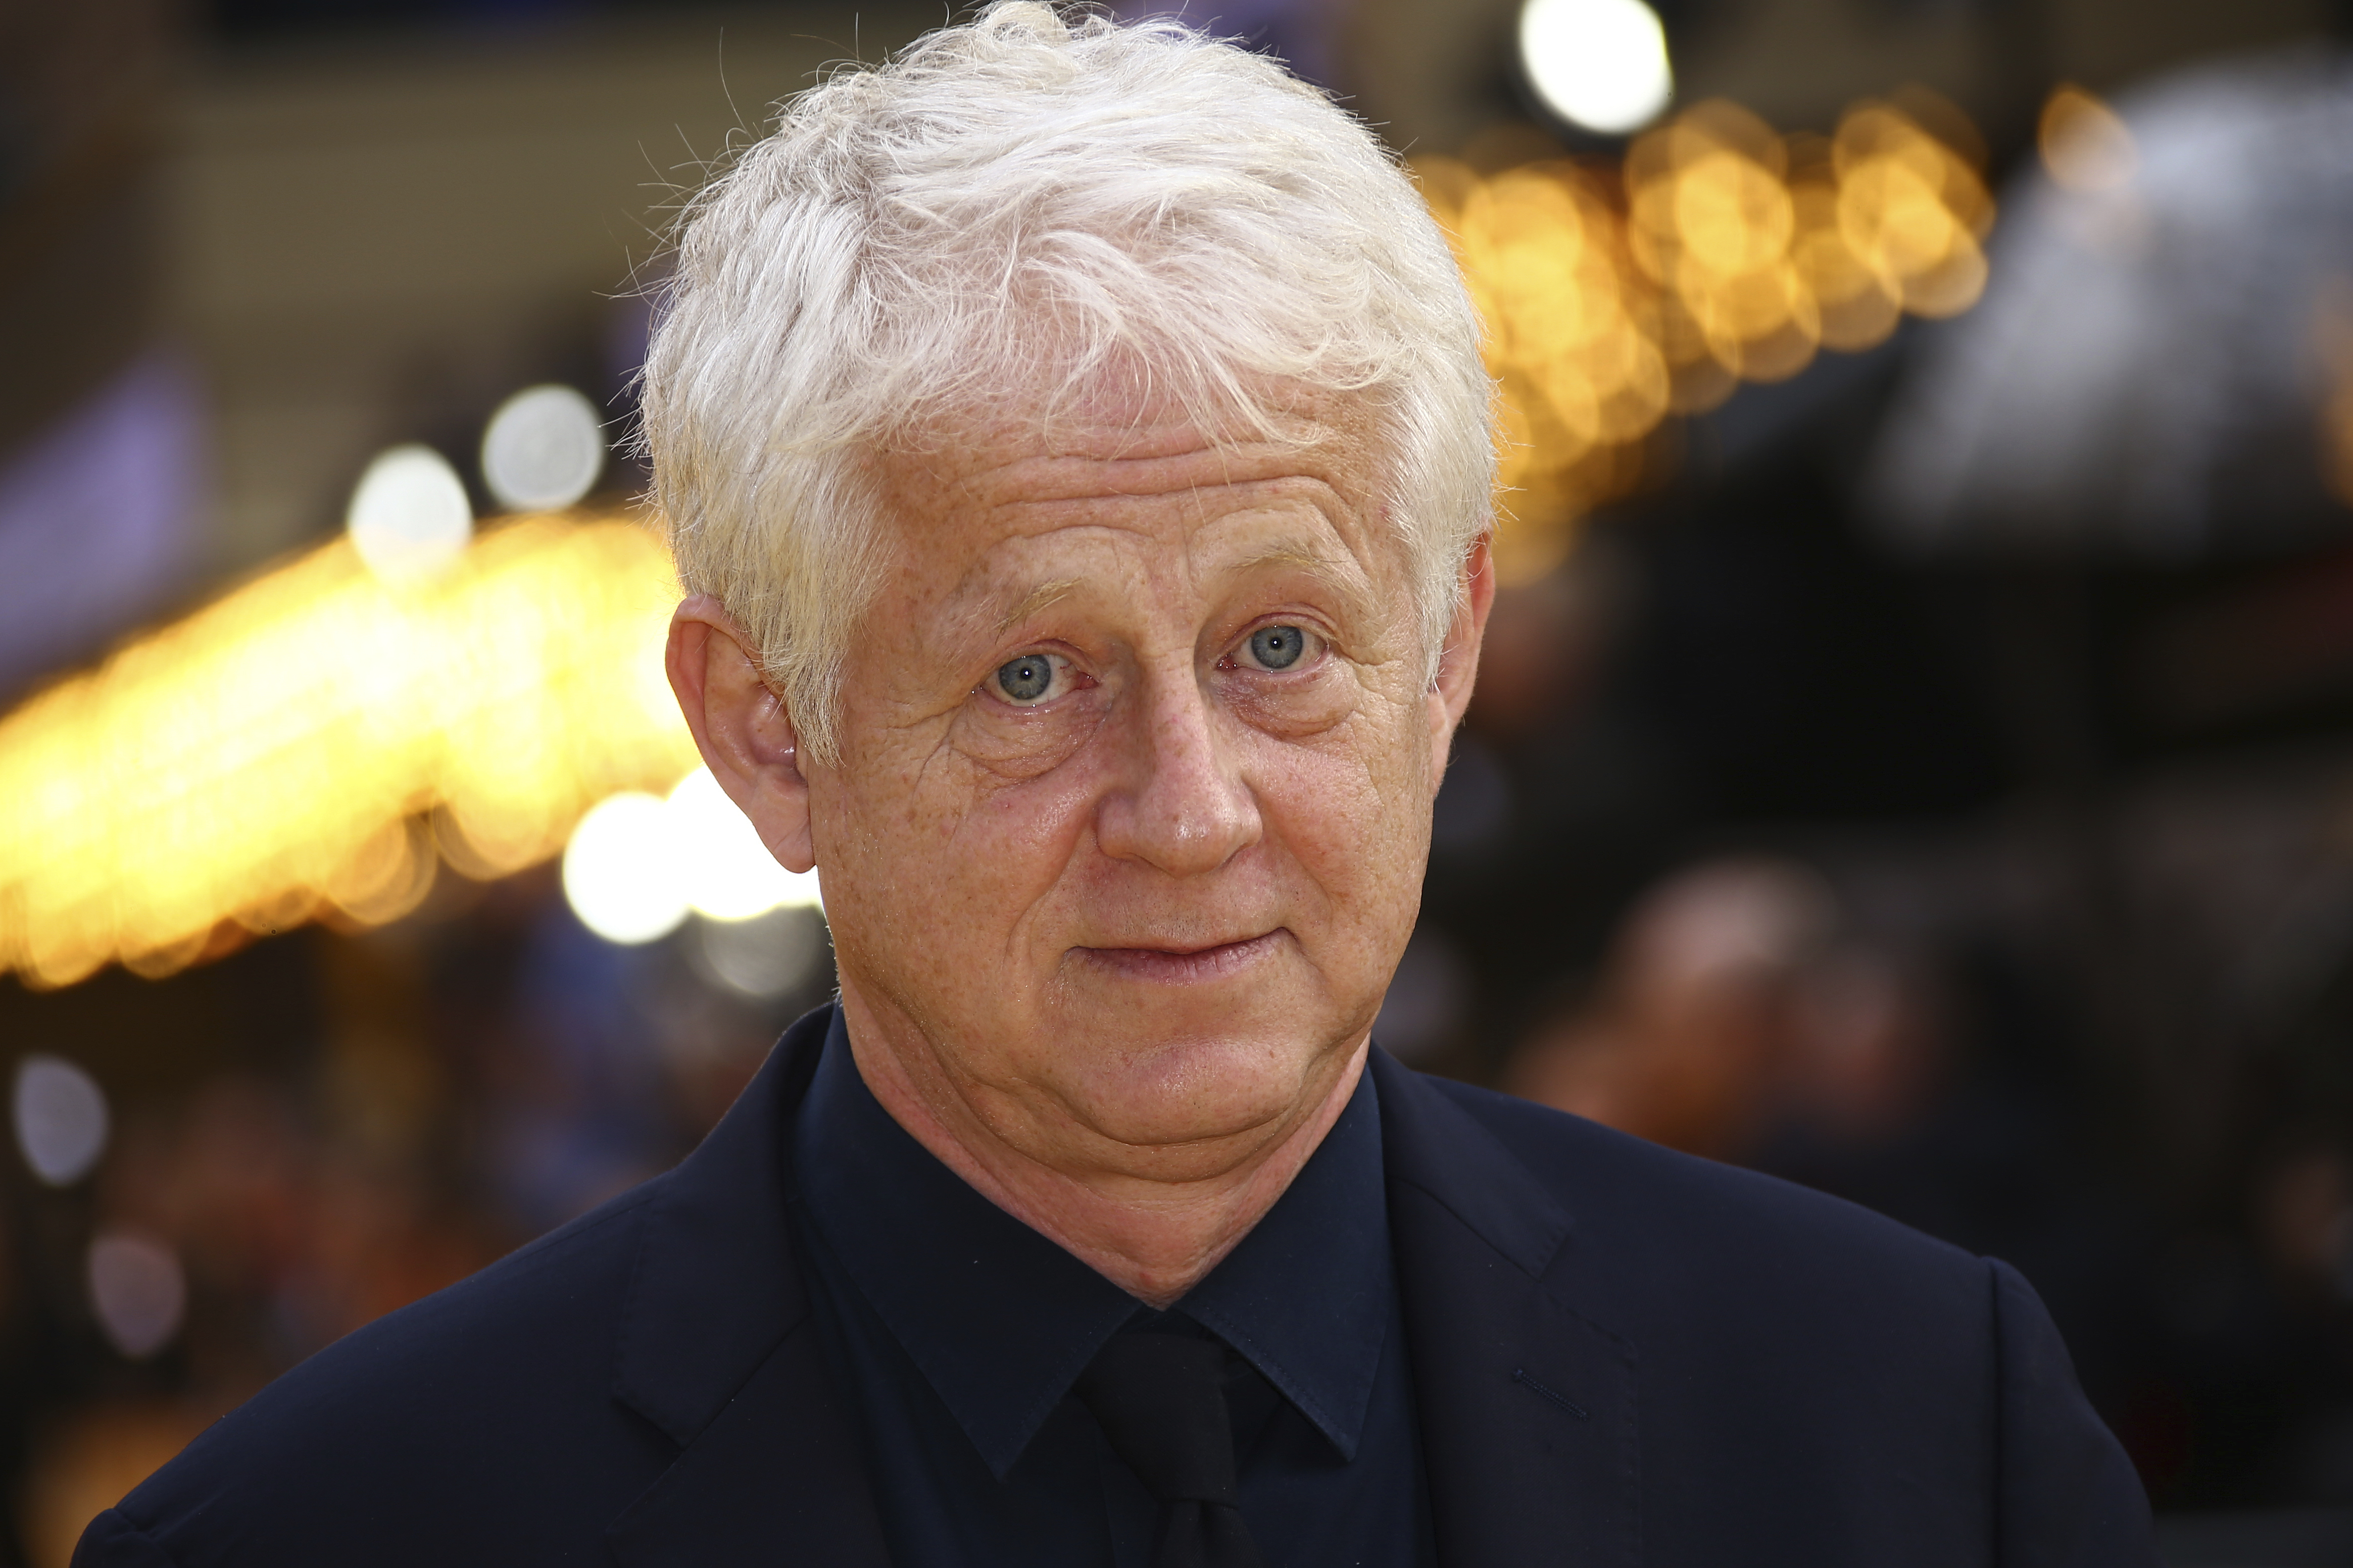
[{"x": 1718, "y": 252}]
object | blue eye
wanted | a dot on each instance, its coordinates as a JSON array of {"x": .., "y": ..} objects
[
  {"x": 1277, "y": 648},
  {"x": 1027, "y": 679}
]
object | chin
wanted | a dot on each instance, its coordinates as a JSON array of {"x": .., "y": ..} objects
[{"x": 1192, "y": 1088}]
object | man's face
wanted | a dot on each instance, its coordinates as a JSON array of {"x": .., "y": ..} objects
[{"x": 1129, "y": 821}]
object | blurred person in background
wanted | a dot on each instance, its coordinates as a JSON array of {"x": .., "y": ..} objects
[
  {"x": 1694, "y": 1033},
  {"x": 1737, "y": 1019},
  {"x": 1743, "y": 1014},
  {"x": 1076, "y": 446}
]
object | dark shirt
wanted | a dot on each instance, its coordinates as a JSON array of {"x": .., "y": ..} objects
[{"x": 956, "y": 1332}]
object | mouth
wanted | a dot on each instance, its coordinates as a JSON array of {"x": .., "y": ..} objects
[{"x": 1185, "y": 965}]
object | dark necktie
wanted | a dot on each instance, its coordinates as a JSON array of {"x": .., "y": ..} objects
[{"x": 1161, "y": 1401}]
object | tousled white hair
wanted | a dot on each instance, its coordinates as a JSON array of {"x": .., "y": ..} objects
[{"x": 1016, "y": 205}]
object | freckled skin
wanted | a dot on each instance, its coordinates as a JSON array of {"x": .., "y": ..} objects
[{"x": 1113, "y": 954}]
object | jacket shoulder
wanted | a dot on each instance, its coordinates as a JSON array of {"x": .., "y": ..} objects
[
  {"x": 1665, "y": 1206},
  {"x": 1809, "y": 1372},
  {"x": 494, "y": 1397}
]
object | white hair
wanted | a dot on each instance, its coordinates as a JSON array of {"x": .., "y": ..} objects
[{"x": 1014, "y": 206}]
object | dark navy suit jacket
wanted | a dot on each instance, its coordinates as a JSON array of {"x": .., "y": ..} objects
[{"x": 1621, "y": 1357}]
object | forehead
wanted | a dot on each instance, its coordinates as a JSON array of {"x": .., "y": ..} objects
[{"x": 1134, "y": 466}]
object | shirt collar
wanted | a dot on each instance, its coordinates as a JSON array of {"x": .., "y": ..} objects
[{"x": 1001, "y": 1321}]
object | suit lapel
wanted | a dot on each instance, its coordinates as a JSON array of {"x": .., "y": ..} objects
[
  {"x": 777, "y": 1477},
  {"x": 1528, "y": 1409},
  {"x": 718, "y": 1352}
]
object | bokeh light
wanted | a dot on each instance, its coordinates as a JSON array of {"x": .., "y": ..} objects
[
  {"x": 728, "y": 874},
  {"x": 621, "y": 872},
  {"x": 1599, "y": 64},
  {"x": 60, "y": 1119},
  {"x": 315, "y": 743},
  {"x": 1718, "y": 251},
  {"x": 636, "y": 865},
  {"x": 764, "y": 957},
  {"x": 409, "y": 517},
  {"x": 544, "y": 449},
  {"x": 2084, "y": 142},
  {"x": 138, "y": 1291}
]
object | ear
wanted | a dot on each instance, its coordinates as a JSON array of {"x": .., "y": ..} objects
[
  {"x": 740, "y": 727},
  {"x": 1458, "y": 667}
]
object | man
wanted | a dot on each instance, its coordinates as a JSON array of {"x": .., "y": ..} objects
[{"x": 1076, "y": 446}]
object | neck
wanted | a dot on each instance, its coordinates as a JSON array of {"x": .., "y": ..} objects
[{"x": 1153, "y": 1236}]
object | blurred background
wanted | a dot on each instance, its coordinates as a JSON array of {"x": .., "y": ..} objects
[{"x": 1915, "y": 754}]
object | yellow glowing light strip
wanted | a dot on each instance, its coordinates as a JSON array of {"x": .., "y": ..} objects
[{"x": 314, "y": 743}]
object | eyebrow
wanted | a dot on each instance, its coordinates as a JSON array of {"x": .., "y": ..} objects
[
  {"x": 1304, "y": 558},
  {"x": 1035, "y": 600}
]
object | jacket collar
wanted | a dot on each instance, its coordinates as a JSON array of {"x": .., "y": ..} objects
[
  {"x": 1527, "y": 1409},
  {"x": 715, "y": 1288},
  {"x": 1435, "y": 1147},
  {"x": 718, "y": 1352}
]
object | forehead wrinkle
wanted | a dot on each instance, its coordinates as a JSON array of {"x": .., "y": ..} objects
[
  {"x": 1045, "y": 478},
  {"x": 1032, "y": 494}
]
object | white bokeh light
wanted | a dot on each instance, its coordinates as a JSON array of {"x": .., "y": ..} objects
[
  {"x": 544, "y": 448},
  {"x": 763, "y": 957},
  {"x": 60, "y": 1119},
  {"x": 137, "y": 1291},
  {"x": 1599, "y": 64},
  {"x": 409, "y": 518},
  {"x": 728, "y": 874},
  {"x": 620, "y": 869}
]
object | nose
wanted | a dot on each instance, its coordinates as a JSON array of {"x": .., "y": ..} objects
[{"x": 1182, "y": 807}]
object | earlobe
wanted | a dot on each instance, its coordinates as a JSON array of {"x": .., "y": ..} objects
[{"x": 741, "y": 726}]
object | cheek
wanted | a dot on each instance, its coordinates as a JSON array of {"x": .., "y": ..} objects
[
  {"x": 1356, "y": 817},
  {"x": 950, "y": 857},
  {"x": 1021, "y": 835}
]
